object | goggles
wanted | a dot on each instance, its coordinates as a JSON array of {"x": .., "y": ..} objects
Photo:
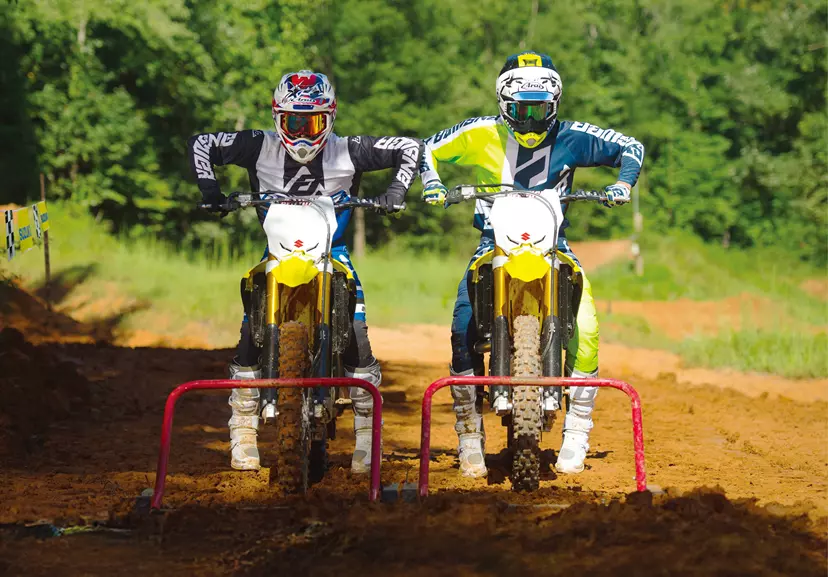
[
  {"x": 526, "y": 111},
  {"x": 303, "y": 125}
]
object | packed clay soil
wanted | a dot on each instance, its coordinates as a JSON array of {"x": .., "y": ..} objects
[{"x": 739, "y": 479}]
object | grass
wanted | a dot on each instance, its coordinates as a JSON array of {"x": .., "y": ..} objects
[
  {"x": 682, "y": 266},
  {"x": 408, "y": 288},
  {"x": 792, "y": 354}
]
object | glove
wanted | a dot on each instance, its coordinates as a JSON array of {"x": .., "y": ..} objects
[
  {"x": 434, "y": 192},
  {"x": 617, "y": 194},
  {"x": 389, "y": 202},
  {"x": 215, "y": 199}
]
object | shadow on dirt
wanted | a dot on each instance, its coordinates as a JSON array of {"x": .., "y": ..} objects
[
  {"x": 64, "y": 282},
  {"x": 701, "y": 533}
]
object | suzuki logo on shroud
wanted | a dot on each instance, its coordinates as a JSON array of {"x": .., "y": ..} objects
[
  {"x": 525, "y": 236},
  {"x": 298, "y": 244}
]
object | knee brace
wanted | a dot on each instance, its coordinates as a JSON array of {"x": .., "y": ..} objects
[
  {"x": 465, "y": 405},
  {"x": 244, "y": 402},
  {"x": 361, "y": 400},
  {"x": 582, "y": 399}
]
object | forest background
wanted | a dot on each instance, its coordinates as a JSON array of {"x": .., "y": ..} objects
[{"x": 728, "y": 97}]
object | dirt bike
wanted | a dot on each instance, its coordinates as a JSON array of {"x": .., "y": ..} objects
[
  {"x": 525, "y": 296},
  {"x": 300, "y": 304}
]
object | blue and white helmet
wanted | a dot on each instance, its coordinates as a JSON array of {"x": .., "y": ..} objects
[{"x": 529, "y": 89}]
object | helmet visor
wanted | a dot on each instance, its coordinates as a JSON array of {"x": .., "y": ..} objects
[
  {"x": 527, "y": 111},
  {"x": 303, "y": 124}
]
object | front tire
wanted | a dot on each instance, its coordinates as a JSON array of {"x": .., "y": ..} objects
[
  {"x": 293, "y": 423},
  {"x": 527, "y": 411}
]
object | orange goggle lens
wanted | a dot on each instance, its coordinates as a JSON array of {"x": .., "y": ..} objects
[{"x": 298, "y": 125}]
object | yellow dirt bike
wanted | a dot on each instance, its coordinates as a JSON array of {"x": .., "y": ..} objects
[
  {"x": 300, "y": 304},
  {"x": 525, "y": 296}
]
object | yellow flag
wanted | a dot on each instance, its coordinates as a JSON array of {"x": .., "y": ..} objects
[
  {"x": 25, "y": 231},
  {"x": 44, "y": 216}
]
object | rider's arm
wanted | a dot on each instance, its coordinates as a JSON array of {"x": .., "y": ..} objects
[
  {"x": 452, "y": 145},
  {"x": 594, "y": 146},
  {"x": 212, "y": 149},
  {"x": 369, "y": 153}
]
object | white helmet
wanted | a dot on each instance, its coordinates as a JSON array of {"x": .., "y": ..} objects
[
  {"x": 528, "y": 92},
  {"x": 304, "y": 109}
]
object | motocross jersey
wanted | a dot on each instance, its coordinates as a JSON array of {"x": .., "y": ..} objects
[
  {"x": 335, "y": 172},
  {"x": 486, "y": 143}
]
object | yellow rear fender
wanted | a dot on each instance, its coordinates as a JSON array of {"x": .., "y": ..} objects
[
  {"x": 339, "y": 267},
  {"x": 576, "y": 268},
  {"x": 248, "y": 278},
  {"x": 485, "y": 258}
]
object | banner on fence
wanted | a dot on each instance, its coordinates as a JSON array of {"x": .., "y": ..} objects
[
  {"x": 8, "y": 219},
  {"x": 24, "y": 229},
  {"x": 43, "y": 214},
  {"x": 23, "y": 226}
]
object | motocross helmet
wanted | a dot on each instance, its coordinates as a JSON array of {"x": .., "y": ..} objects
[
  {"x": 304, "y": 108},
  {"x": 528, "y": 92}
]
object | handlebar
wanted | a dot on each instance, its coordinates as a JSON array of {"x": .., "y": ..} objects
[
  {"x": 465, "y": 192},
  {"x": 238, "y": 200}
]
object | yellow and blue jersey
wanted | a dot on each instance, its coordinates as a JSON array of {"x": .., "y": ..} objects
[{"x": 487, "y": 144}]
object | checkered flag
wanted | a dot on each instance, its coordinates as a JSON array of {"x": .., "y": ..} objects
[
  {"x": 9, "y": 218},
  {"x": 36, "y": 213}
]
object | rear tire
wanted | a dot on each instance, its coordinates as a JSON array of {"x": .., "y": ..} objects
[
  {"x": 527, "y": 408},
  {"x": 293, "y": 423}
]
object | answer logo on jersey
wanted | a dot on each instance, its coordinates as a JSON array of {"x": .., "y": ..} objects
[
  {"x": 201, "y": 151},
  {"x": 608, "y": 134},
  {"x": 304, "y": 182},
  {"x": 410, "y": 151}
]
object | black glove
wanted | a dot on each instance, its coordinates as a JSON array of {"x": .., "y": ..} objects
[
  {"x": 389, "y": 202},
  {"x": 216, "y": 200}
]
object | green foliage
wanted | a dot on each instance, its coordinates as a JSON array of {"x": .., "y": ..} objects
[{"x": 728, "y": 98}]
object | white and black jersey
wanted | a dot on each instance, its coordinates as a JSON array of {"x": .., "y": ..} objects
[{"x": 337, "y": 168}]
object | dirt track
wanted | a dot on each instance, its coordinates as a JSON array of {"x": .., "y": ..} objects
[{"x": 89, "y": 466}]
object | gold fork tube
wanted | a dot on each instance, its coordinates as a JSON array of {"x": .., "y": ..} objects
[{"x": 499, "y": 277}]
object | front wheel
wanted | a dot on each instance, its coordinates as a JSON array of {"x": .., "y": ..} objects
[
  {"x": 527, "y": 407},
  {"x": 293, "y": 422}
]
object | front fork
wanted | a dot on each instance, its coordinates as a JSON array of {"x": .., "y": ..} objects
[{"x": 270, "y": 346}]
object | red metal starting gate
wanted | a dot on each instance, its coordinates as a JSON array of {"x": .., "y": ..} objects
[
  {"x": 635, "y": 402},
  {"x": 169, "y": 410},
  {"x": 376, "y": 425}
]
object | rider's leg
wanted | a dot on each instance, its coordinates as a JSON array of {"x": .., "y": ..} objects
[
  {"x": 361, "y": 364},
  {"x": 244, "y": 403},
  {"x": 582, "y": 362},
  {"x": 465, "y": 362}
]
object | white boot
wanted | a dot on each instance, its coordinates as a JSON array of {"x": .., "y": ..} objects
[
  {"x": 469, "y": 428},
  {"x": 244, "y": 422},
  {"x": 575, "y": 444},
  {"x": 363, "y": 405},
  {"x": 577, "y": 425}
]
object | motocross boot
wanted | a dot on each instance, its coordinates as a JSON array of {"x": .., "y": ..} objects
[
  {"x": 577, "y": 425},
  {"x": 363, "y": 405},
  {"x": 469, "y": 428},
  {"x": 244, "y": 422}
]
